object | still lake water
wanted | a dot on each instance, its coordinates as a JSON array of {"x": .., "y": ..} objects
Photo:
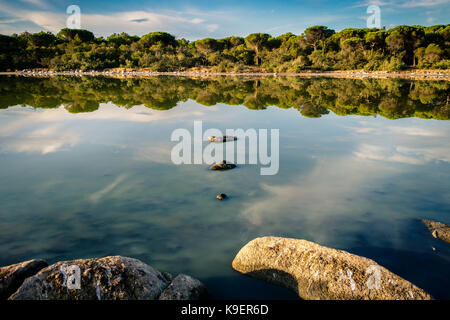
[{"x": 85, "y": 171}]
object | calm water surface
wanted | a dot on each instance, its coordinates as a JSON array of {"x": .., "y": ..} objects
[{"x": 85, "y": 171}]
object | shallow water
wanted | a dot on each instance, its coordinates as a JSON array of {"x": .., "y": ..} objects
[{"x": 79, "y": 184}]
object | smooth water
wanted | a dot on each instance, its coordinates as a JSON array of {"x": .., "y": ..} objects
[{"x": 85, "y": 171}]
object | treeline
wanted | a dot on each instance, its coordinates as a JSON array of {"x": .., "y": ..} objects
[
  {"x": 389, "y": 98},
  {"x": 318, "y": 48}
]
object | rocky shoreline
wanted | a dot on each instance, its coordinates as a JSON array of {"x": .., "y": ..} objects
[
  {"x": 313, "y": 271},
  {"x": 109, "y": 278},
  {"x": 358, "y": 74}
]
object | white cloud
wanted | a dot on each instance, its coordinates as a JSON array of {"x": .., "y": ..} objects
[
  {"x": 403, "y": 3},
  {"x": 50, "y": 130},
  {"x": 197, "y": 20},
  {"x": 364, "y": 130},
  {"x": 6, "y": 20},
  {"x": 431, "y": 153},
  {"x": 47, "y": 139},
  {"x": 423, "y": 3},
  {"x": 403, "y": 154},
  {"x": 212, "y": 27},
  {"x": 308, "y": 21},
  {"x": 101, "y": 193},
  {"x": 415, "y": 131},
  {"x": 412, "y": 144},
  {"x": 132, "y": 22},
  {"x": 313, "y": 200},
  {"x": 47, "y": 20},
  {"x": 153, "y": 153},
  {"x": 397, "y": 130},
  {"x": 106, "y": 111},
  {"x": 390, "y": 154}
]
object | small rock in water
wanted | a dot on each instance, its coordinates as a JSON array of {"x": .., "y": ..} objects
[
  {"x": 222, "y": 166},
  {"x": 221, "y": 139},
  {"x": 222, "y": 196},
  {"x": 438, "y": 230}
]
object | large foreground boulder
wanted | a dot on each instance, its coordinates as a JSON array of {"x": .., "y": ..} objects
[
  {"x": 438, "y": 230},
  {"x": 316, "y": 272},
  {"x": 12, "y": 277},
  {"x": 109, "y": 278}
]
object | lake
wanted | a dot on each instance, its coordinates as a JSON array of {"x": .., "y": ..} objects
[{"x": 86, "y": 171}]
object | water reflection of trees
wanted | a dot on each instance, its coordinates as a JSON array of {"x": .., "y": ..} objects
[{"x": 389, "y": 98}]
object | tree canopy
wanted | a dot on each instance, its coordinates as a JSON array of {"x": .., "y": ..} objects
[{"x": 318, "y": 48}]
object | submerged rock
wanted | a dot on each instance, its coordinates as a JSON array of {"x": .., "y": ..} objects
[
  {"x": 12, "y": 277},
  {"x": 222, "y": 139},
  {"x": 109, "y": 278},
  {"x": 184, "y": 287},
  {"x": 222, "y": 196},
  {"x": 222, "y": 166},
  {"x": 316, "y": 272},
  {"x": 438, "y": 230}
]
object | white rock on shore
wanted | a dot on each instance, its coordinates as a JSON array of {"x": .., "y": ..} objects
[{"x": 316, "y": 272}]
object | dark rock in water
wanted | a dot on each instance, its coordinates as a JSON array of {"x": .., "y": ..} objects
[
  {"x": 315, "y": 272},
  {"x": 438, "y": 230},
  {"x": 184, "y": 287},
  {"x": 222, "y": 166},
  {"x": 222, "y": 139},
  {"x": 222, "y": 196},
  {"x": 109, "y": 278},
  {"x": 12, "y": 277}
]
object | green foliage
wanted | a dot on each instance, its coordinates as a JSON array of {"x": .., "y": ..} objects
[
  {"x": 318, "y": 48},
  {"x": 158, "y": 38},
  {"x": 67, "y": 34},
  {"x": 41, "y": 39},
  {"x": 121, "y": 39},
  {"x": 231, "y": 42},
  {"x": 317, "y": 35},
  {"x": 256, "y": 42},
  {"x": 375, "y": 39},
  {"x": 390, "y": 98},
  {"x": 207, "y": 46}
]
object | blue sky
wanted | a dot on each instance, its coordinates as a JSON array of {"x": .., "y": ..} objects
[{"x": 200, "y": 19}]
